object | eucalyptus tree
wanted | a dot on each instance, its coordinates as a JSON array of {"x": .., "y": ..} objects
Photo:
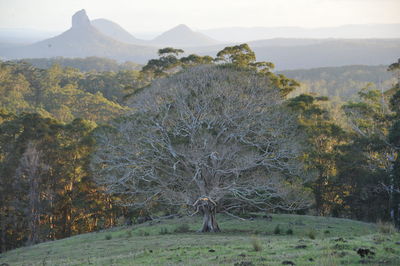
[
  {"x": 394, "y": 138},
  {"x": 323, "y": 137},
  {"x": 209, "y": 139}
]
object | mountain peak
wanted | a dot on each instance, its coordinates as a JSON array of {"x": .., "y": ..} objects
[
  {"x": 182, "y": 27},
  {"x": 183, "y": 36},
  {"x": 80, "y": 19}
]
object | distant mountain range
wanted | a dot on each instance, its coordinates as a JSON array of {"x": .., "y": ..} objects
[
  {"x": 81, "y": 40},
  {"x": 179, "y": 36},
  {"x": 105, "y": 38},
  {"x": 331, "y": 53},
  {"x": 314, "y": 53},
  {"x": 243, "y": 34},
  {"x": 115, "y": 31},
  {"x": 183, "y": 36}
]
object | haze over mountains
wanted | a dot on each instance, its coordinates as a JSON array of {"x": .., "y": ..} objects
[
  {"x": 81, "y": 40},
  {"x": 179, "y": 36},
  {"x": 243, "y": 34},
  {"x": 115, "y": 31},
  {"x": 105, "y": 38},
  {"x": 183, "y": 36}
]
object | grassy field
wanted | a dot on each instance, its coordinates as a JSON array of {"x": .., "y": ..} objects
[{"x": 284, "y": 240}]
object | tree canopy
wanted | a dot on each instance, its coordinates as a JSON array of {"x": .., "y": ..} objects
[{"x": 212, "y": 137}]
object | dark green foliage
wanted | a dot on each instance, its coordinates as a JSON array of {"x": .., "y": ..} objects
[
  {"x": 277, "y": 230},
  {"x": 289, "y": 231},
  {"x": 312, "y": 234},
  {"x": 169, "y": 51},
  {"x": 322, "y": 136},
  {"x": 108, "y": 237},
  {"x": 394, "y": 139}
]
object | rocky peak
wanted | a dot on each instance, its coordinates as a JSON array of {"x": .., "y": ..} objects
[
  {"x": 183, "y": 28},
  {"x": 80, "y": 19}
]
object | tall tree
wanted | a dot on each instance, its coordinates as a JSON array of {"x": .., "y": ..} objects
[
  {"x": 210, "y": 137},
  {"x": 323, "y": 136},
  {"x": 394, "y": 138},
  {"x": 364, "y": 165}
]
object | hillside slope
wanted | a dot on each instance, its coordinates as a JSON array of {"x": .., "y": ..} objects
[
  {"x": 314, "y": 241},
  {"x": 182, "y": 36},
  {"x": 115, "y": 31}
]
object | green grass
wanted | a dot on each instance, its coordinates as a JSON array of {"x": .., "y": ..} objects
[{"x": 334, "y": 243}]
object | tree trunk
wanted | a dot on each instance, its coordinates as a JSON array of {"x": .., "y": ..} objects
[
  {"x": 34, "y": 216},
  {"x": 210, "y": 222},
  {"x": 209, "y": 210}
]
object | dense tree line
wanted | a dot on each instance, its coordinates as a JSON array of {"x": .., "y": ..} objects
[
  {"x": 87, "y": 64},
  {"x": 49, "y": 138},
  {"x": 355, "y": 160},
  {"x": 46, "y": 188},
  {"x": 341, "y": 83},
  {"x": 63, "y": 93}
]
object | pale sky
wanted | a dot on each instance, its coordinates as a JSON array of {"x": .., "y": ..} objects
[{"x": 160, "y": 15}]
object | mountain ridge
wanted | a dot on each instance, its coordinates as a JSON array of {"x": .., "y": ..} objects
[
  {"x": 182, "y": 36},
  {"x": 81, "y": 40},
  {"x": 115, "y": 31},
  {"x": 356, "y": 31},
  {"x": 179, "y": 36}
]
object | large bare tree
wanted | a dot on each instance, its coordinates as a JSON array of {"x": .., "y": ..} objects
[{"x": 211, "y": 137}]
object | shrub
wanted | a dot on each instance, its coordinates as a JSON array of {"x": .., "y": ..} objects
[
  {"x": 108, "y": 237},
  {"x": 289, "y": 231},
  {"x": 143, "y": 233},
  {"x": 182, "y": 228},
  {"x": 129, "y": 234},
  {"x": 164, "y": 231},
  {"x": 312, "y": 234},
  {"x": 256, "y": 243},
  {"x": 386, "y": 227},
  {"x": 327, "y": 232},
  {"x": 277, "y": 230}
]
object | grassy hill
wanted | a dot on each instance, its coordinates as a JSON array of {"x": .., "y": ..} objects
[{"x": 284, "y": 239}]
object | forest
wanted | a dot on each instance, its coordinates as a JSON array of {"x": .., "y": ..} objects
[{"x": 86, "y": 145}]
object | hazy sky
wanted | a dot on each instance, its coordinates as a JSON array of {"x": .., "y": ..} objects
[{"x": 160, "y": 15}]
